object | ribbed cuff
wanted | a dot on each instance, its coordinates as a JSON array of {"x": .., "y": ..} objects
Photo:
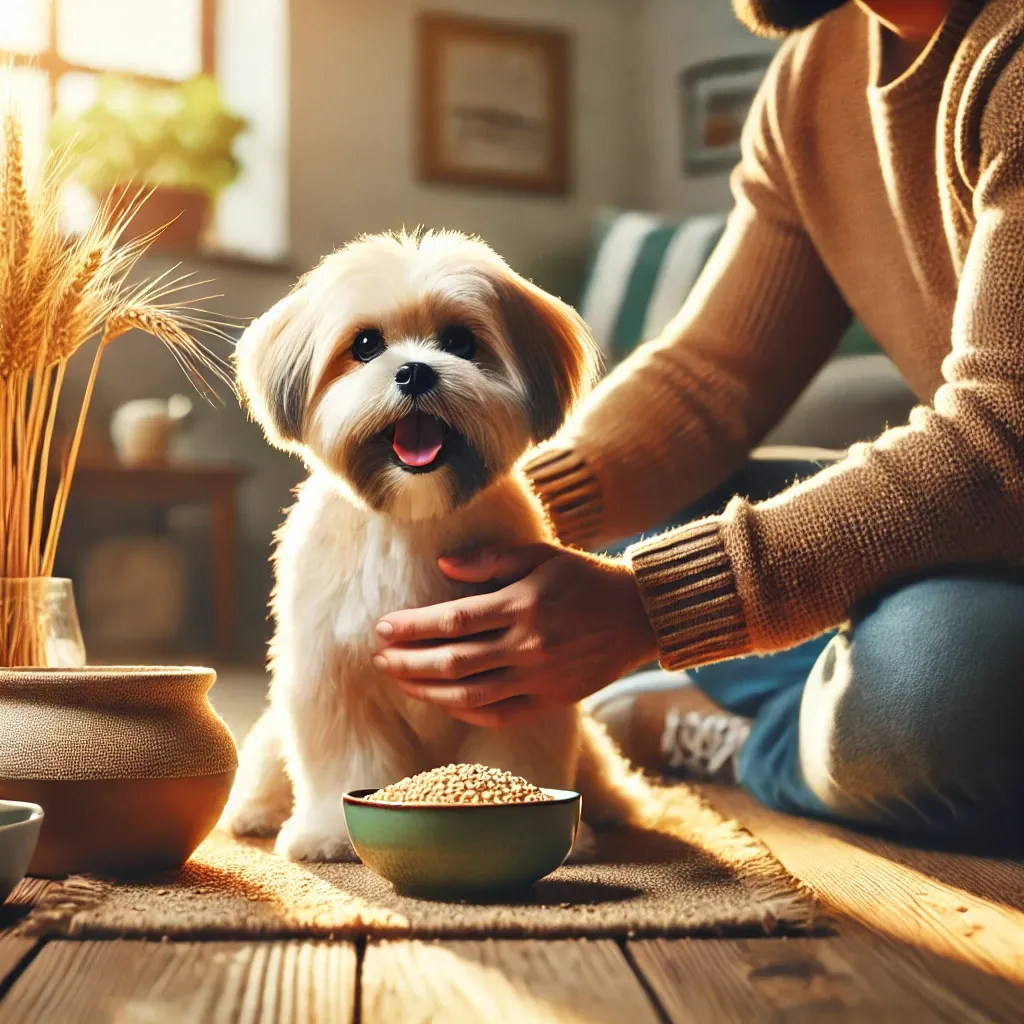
[
  {"x": 689, "y": 590},
  {"x": 570, "y": 493}
]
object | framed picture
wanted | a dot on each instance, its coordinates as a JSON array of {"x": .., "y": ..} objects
[
  {"x": 493, "y": 104},
  {"x": 716, "y": 98}
]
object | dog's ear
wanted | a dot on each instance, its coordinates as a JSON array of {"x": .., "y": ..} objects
[
  {"x": 273, "y": 364},
  {"x": 556, "y": 353}
]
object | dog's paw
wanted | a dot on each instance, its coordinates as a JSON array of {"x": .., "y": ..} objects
[
  {"x": 253, "y": 818},
  {"x": 299, "y": 843},
  {"x": 584, "y": 850}
]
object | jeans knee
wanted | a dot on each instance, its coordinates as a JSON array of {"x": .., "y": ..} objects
[{"x": 921, "y": 699}]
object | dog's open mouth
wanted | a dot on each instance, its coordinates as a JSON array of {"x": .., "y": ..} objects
[{"x": 418, "y": 440}]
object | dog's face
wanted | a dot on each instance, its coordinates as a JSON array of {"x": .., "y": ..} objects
[{"x": 416, "y": 370}]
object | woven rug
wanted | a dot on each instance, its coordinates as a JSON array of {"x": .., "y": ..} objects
[{"x": 691, "y": 873}]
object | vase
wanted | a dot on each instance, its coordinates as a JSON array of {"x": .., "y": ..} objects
[
  {"x": 131, "y": 765},
  {"x": 142, "y": 429},
  {"x": 39, "y": 624}
]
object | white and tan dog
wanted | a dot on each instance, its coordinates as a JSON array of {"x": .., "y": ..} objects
[{"x": 411, "y": 374}]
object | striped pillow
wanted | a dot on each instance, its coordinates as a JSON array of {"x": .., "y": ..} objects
[{"x": 642, "y": 268}]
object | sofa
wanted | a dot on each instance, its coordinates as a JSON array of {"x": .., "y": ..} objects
[{"x": 641, "y": 268}]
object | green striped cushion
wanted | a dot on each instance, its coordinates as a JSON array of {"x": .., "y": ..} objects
[{"x": 641, "y": 269}]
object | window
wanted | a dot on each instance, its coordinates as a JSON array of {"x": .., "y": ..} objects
[{"x": 56, "y": 50}]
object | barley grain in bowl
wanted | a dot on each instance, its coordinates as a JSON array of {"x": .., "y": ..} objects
[
  {"x": 462, "y": 784},
  {"x": 462, "y": 832}
]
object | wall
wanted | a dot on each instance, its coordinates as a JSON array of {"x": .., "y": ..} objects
[
  {"x": 352, "y": 169},
  {"x": 674, "y": 35},
  {"x": 353, "y": 148}
]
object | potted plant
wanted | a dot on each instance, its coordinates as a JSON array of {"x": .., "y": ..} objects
[{"x": 177, "y": 140}]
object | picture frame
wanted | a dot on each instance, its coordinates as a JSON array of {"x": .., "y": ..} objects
[
  {"x": 493, "y": 104},
  {"x": 715, "y": 99}
]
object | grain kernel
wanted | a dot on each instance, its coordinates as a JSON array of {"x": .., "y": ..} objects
[{"x": 462, "y": 784}]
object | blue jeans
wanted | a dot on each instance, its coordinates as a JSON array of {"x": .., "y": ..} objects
[{"x": 909, "y": 720}]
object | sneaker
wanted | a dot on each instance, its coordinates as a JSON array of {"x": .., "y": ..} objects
[
  {"x": 634, "y": 711},
  {"x": 704, "y": 746}
]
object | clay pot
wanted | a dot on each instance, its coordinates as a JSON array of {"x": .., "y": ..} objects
[
  {"x": 182, "y": 213},
  {"x": 132, "y": 766}
]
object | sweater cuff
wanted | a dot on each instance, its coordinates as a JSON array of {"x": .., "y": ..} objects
[
  {"x": 570, "y": 493},
  {"x": 689, "y": 590}
]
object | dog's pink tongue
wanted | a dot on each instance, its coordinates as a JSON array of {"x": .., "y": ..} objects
[{"x": 418, "y": 439}]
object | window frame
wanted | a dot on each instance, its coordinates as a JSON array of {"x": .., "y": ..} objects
[
  {"x": 54, "y": 66},
  {"x": 229, "y": 246}
]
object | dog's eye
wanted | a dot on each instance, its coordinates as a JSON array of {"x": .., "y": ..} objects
[
  {"x": 459, "y": 341},
  {"x": 368, "y": 345}
]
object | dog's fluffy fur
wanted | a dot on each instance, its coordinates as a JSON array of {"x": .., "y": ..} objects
[{"x": 364, "y": 537}]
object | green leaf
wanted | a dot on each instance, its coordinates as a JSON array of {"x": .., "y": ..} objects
[{"x": 180, "y": 135}]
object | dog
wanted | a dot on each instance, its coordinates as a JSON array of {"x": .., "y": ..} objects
[{"x": 411, "y": 373}]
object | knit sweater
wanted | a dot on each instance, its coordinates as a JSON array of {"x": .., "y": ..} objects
[{"x": 902, "y": 201}]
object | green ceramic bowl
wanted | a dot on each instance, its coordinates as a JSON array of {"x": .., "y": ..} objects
[{"x": 441, "y": 851}]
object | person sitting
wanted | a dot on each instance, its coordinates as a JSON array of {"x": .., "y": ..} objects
[{"x": 858, "y": 621}]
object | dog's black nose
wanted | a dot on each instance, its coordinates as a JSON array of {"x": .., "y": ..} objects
[{"x": 415, "y": 379}]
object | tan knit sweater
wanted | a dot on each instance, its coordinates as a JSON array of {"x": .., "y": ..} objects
[{"x": 900, "y": 200}]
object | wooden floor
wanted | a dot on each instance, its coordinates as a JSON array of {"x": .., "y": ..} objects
[{"x": 918, "y": 937}]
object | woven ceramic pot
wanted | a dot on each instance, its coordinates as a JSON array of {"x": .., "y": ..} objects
[{"x": 132, "y": 766}]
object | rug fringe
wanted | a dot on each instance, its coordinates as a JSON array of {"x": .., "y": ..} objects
[
  {"x": 55, "y": 914},
  {"x": 786, "y": 897}
]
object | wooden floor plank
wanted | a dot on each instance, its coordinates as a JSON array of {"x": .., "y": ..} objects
[
  {"x": 996, "y": 878},
  {"x": 881, "y": 887},
  {"x": 169, "y": 982},
  {"x": 982, "y": 993},
  {"x": 15, "y": 951},
  {"x": 513, "y": 982},
  {"x": 764, "y": 981}
]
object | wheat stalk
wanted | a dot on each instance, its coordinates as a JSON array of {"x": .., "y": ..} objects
[
  {"x": 17, "y": 218},
  {"x": 56, "y": 293}
]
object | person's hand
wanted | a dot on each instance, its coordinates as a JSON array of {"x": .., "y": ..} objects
[{"x": 563, "y": 625}]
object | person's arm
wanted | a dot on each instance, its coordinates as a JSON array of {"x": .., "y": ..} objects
[
  {"x": 683, "y": 412},
  {"x": 667, "y": 426},
  {"x": 947, "y": 488}
]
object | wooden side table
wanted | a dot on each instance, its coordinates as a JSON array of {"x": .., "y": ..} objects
[{"x": 213, "y": 485}]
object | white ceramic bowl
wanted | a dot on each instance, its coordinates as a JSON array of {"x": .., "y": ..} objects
[{"x": 19, "y": 830}]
